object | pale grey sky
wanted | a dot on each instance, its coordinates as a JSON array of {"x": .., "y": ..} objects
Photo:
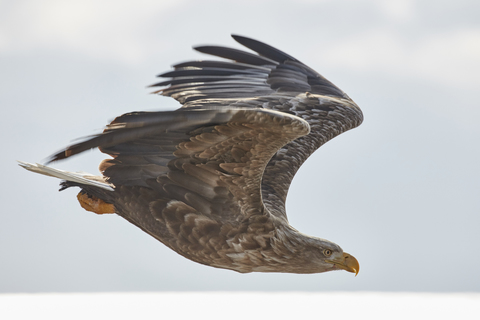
[{"x": 401, "y": 192}]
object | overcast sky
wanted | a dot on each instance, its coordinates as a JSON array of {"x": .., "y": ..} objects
[{"x": 401, "y": 192}]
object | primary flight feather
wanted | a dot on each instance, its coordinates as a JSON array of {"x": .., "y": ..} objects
[{"x": 210, "y": 179}]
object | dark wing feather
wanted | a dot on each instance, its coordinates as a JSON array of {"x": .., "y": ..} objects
[
  {"x": 235, "y": 54},
  {"x": 210, "y": 160},
  {"x": 263, "y": 49},
  {"x": 137, "y": 125}
]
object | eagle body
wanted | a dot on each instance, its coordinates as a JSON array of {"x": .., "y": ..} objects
[{"x": 210, "y": 179}]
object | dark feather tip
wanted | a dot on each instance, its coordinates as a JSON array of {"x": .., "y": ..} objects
[{"x": 263, "y": 49}]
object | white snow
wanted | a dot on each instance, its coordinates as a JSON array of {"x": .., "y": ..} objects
[{"x": 242, "y": 305}]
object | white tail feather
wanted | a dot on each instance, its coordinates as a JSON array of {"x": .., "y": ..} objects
[{"x": 80, "y": 177}]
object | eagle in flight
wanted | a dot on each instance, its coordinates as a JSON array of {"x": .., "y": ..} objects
[{"x": 210, "y": 179}]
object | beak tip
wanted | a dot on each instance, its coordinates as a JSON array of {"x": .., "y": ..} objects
[
  {"x": 347, "y": 263},
  {"x": 351, "y": 263}
]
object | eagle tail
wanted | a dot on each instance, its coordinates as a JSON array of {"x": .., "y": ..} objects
[{"x": 76, "y": 177}]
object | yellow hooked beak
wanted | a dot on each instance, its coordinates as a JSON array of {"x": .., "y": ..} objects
[{"x": 347, "y": 262}]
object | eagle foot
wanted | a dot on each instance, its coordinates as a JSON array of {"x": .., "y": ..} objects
[{"x": 94, "y": 204}]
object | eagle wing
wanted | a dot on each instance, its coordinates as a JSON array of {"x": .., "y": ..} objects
[
  {"x": 210, "y": 160},
  {"x": 233, "y": 148}
]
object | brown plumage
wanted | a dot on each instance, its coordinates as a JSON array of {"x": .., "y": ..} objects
[{"x": 210, "y": 179}]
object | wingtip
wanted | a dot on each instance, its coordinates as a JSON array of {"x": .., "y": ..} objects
[
  {"x": 240, "y": 38},
  {"x": 59, "y": 156},
  {"x": 51, "y": 159},
  {"x": 236, "y": 36},
  {"x": 201, "y": 48}
]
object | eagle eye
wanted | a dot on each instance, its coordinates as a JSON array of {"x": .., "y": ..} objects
[{"x": 327, "y": 252}]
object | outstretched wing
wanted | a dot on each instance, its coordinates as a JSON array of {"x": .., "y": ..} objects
[
  {"x": 211, "y": 161},
  {"x": 270, "y": 79}
]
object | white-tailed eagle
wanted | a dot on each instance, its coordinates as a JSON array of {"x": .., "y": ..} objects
[{"x": 210, "y": 179}]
